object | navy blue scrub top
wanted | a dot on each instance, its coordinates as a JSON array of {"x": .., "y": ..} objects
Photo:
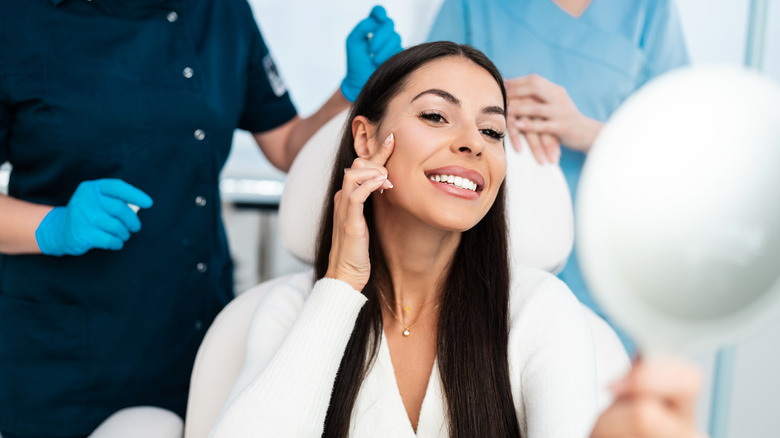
[{"x": 149, "y": 92}]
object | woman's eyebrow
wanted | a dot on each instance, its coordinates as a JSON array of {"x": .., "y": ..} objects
[
  {"x": 441, "y": 93},
  {"x": 452, "y": 99},
  {"x": 494, "y": 110}
]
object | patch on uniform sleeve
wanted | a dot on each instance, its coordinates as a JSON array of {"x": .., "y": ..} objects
[{"x": 277, "y": 84}]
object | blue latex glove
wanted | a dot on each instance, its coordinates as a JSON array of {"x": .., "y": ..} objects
[
  {"x": 370, "y": 43},
  {"x": 97, "y": 216}
]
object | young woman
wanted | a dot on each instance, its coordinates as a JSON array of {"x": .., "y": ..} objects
[{"x": 414, "y": 326}]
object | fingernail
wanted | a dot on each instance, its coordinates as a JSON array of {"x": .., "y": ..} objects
[
  {"x": 388, "y": 140},
  {"x": 389, "y": 184},
  {"x": 380, "y": 177}
]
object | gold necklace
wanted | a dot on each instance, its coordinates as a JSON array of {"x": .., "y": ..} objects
[{"x": 407, "y": 328}]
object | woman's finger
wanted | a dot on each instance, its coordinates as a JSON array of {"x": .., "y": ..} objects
[
  {"x": 366, "y": 163},
  {"x": 358, "y": 197},
  {"x": 518, "y": 87},
  {"x": 531, "y": 108},
  {"x": 530, "y": 86},
  {"x": 540, "y": 126},
  {"x": 552, "y": 147},
  {"x": 354, "y": 178},
  {"x": 514, "y": 137},
  {"x": 644, "y": 417},
  {"x": 382, "y": 154},
  {"x": 676, "y": 381},
  {"x": 349, "y": 204},
  {"x": 535, "y": 144}
]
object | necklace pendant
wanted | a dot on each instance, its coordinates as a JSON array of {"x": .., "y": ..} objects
[{"x": 406, "y": 332}]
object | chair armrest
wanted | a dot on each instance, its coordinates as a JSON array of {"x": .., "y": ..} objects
[{"x": 141, "y": 421}]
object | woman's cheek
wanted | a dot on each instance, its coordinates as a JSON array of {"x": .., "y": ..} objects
[{"x": 498, "y": 164}]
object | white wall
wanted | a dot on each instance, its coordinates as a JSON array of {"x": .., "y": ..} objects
[{"x": 716, "y": 32}]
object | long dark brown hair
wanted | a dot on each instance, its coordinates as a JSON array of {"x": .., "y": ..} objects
[{"x": 473, "y": 328}]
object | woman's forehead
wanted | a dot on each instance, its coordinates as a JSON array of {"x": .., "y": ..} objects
[{"x": 456, "y": 75}]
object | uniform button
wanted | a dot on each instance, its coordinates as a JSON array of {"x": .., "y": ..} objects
[
  {"x": 200, "y": 201},
  {"x": 187, "y": 72},
  {"x": 202, "y": 267},
  {"x": 172, "y": 16},
  {"x": 198, "y": 325},
  {"x": 199, "y": 134}
]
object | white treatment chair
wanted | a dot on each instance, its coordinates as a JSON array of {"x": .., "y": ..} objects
[{"x": 541, "y": 228}]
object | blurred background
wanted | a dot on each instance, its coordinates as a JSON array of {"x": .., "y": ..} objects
[{"x": 306, "y": 38}]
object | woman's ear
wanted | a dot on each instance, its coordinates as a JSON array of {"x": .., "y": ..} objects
[{"x": 364, "y": 133}]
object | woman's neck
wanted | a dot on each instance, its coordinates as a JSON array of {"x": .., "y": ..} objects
[
  {"x": 418, "y": 258},
  {"x": 575, "y": 8}
]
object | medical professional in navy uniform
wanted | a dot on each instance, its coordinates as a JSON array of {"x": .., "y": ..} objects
[{"x": 107, "y": 106}]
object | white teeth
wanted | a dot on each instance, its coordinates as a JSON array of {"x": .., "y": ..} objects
[{"x": 457, "y": 181}]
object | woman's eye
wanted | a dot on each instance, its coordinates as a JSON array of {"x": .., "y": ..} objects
[
  {"x": 492, "y": 133},
  {"x": 433, "y": 117}
]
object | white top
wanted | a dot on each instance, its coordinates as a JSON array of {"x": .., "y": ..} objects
[{"x": 298, "y": 337}]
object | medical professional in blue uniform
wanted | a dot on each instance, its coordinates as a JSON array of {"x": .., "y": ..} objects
[
  {"x": 568, "y": 64},
  {"x": 107, "y": 103}
]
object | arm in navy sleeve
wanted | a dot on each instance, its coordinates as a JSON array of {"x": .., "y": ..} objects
[
  {"x": 269, "y": 113},
  {"x": 281, "y": 144}
]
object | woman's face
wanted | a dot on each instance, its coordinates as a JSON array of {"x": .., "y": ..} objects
[{"x": 449, "y": 160}]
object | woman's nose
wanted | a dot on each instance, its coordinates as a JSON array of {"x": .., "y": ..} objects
[{"x": 469, "y": 143}]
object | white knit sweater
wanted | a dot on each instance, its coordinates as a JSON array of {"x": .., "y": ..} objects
[{"x": 298, "y": 337}]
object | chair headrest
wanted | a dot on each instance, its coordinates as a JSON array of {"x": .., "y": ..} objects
[{"x": 539, "y": 206}]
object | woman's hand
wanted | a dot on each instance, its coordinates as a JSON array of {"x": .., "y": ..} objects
[
  {"x": 348, "y": 260},
  {"x": 655, "y": 400},
  {"x": 545, "y": 113}
]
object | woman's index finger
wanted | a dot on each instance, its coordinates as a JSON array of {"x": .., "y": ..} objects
[{"x": 385, "y": 150}]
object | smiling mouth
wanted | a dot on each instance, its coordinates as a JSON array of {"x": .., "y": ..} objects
[{"x": 457, "y": 181}]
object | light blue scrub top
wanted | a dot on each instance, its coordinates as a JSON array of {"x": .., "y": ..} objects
[{"x": 602, "y": 57}]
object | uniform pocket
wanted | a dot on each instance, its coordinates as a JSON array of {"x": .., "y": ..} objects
[{"x": 43, "y": 373}]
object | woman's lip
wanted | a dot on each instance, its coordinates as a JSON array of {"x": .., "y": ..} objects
[
  {"x": 462, "y": 172},
  {"x": 457, "y": 191}
]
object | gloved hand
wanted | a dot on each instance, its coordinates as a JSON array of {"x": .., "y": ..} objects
[
  {"x": 370, "y": 43},
  {"x": 97, "y": 216}
]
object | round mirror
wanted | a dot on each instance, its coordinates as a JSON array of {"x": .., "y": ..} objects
[{"x": 678, "y": 209}]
